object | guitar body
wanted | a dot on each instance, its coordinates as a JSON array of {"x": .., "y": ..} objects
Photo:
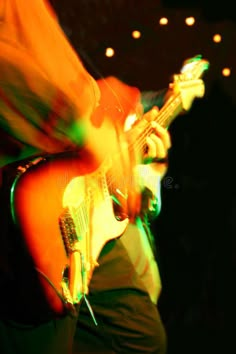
[{"x": 40, "y": 195}]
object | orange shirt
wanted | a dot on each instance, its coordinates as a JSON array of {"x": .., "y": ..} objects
[
  {"x": 48, "y": 101},
  {"x": 45, "y": 91}
]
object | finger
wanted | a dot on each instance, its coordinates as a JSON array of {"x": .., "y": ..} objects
[
  {"x": 147, "y": 117},
  {"x": 152, "y": 114},
  {"x": 156, "y": 148},
  {"x": 151, "y": 149},
  {"x": 163, "y": 134}
]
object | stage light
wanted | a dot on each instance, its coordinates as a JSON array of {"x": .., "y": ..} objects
[
  {"x": 226, "y": 72},
  {"x": 136, "y": 34},
  {"x": 190, "y": 21},
  {"x": 217, "y": 38},
  {"x": 109, "y": 52},
  {"x": 163, "y": 21}
]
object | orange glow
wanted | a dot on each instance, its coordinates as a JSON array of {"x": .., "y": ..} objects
[
  {"x": 136, "y": 34},
  {"x": 163, "y": 21},
  {"x": 109, "y": 52},
  {"x": 190, "y": 21},
  {"x": 217, "y": 38},
  {"x": 226, "y": 72}
]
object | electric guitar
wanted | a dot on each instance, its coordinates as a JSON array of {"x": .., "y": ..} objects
[{"x": 64, "y": 211}]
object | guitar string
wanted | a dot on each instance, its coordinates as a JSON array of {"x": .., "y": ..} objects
[
  {"x": 81, "y": 214},
  {"x": 140, "y": 143},
  {"x": 81, "y": 217},
  {"x": 161, "y": 117}
]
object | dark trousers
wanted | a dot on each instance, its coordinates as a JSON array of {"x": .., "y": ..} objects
[
  {"x": 128, "y": 322},
  {"x": 54, "y": 337}
]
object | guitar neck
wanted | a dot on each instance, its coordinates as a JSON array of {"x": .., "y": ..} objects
[
  {"x": 165, "y": 117},
  {"x": 169, "y": 111},
  {"x": 188, "y": 87}
]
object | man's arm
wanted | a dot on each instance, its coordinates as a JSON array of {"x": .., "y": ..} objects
[
  {"x": 154, "y": 165},
  {"x": 46, "y": 95}
]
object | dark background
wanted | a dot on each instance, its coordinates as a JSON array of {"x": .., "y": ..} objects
[{"x": 196, "y": 229}]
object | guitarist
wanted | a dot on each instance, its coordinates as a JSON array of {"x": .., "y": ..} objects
[{"x": 50, "y": 104}]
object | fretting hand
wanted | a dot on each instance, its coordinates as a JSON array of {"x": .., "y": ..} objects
[{"x": 154, "y": 165}]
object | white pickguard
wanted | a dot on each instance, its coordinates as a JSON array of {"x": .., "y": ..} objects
[{"x": 91, "y": 208}]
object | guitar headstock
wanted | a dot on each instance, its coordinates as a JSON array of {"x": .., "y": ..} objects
[
  {"x": 189, "y": 82},
  {"x": 193, "y": 68}
]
